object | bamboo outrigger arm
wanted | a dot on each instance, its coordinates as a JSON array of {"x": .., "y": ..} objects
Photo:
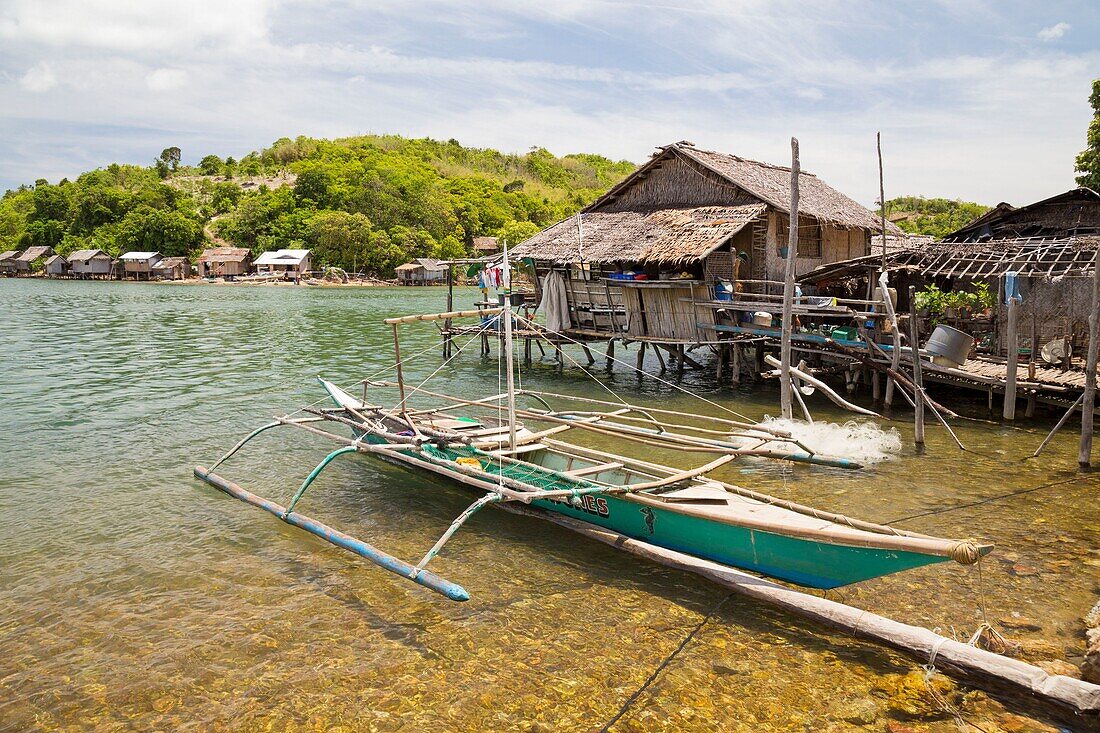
[{"x": 367, "y": 551}]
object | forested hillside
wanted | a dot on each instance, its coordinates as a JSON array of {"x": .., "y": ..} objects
[
  {"x": 919, "y": 215},
  {"x": 368, "y": 202}
]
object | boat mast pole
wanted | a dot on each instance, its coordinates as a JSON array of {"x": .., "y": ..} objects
[{"x": 507, "y": 315}]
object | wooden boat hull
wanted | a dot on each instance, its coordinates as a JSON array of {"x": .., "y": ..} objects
[{"x": 806, "y": 562}]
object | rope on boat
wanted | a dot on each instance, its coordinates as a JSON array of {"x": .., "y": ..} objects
[{"x": 667, "y": 660}]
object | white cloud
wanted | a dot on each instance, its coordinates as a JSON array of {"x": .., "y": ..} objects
[
  {"x": 39, "y": 78},
  {"x": 1054, "y": 32},
  {"x": 162, "y": 80}
]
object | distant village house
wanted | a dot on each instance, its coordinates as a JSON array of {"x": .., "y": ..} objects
[
  {"x": 422, "y": 271},
  {"x": 139, "y": 265},
  {"x": 32, "y": 260},
  {"x": 227, "y": 262},
  {"x": 172, "y": 268},
  {"x": 7, "y": 262},
  {"x": 91, "y": 263},
  {"x": 57, "y": 266},
  {"x": 292, "y": 263},
  {"x": 484, "y": 246}
]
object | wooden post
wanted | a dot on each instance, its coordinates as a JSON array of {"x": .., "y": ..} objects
[
  {"x": 447, "y": 341},
  {"x": 641, "y": 356},
  {"x": 882, "y": 203},
  {"x": 1084, "y": 455},
  {"x": 895, "y": 356},
  {"x": 680, "y": 360},
  {"x": 788, "y": 292},
  {"x": 1013, "y": 359},
  {"x": 918, "y": 380},
  {"x": 610, "y": 354},
  {"x": 735, "y": 365}
]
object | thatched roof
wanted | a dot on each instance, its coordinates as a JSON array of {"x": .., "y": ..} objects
[
  {"x": 83, "y": 255},
  {"x": 11, "y": 254},
  {"x": 224, "y": 254},
  {"x": 486, "y": 244},
  {"x": 767, "y": 182},
  {"x": 665, "y": 236},
  {"x": 899, "y": 242},
  {"x": 1074, "y": 212},
  {"x": 33, "y": 253},
  {"x": 1048, "y": 259}
]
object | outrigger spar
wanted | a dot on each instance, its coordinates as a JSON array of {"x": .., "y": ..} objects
[{"x": 679, "y": 509}]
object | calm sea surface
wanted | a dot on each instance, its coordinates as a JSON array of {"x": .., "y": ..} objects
[{"x": 134, "y": 597}]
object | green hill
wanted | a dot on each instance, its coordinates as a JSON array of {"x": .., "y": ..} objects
[
  {"x": 369, "y": 202},
  {"x": 920, "y": 215}
]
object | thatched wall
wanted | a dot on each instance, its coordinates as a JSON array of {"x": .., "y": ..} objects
[{"x": 674, "y": 182}]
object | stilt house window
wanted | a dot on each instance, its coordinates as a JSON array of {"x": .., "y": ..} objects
[{"x": 809, "y": 236}]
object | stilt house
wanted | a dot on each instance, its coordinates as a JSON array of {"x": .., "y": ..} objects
[
  {"x": 227, "y": 262},
  {"x": 644, "y": 259},
  {"x": 139, "y": 265},
  {"x": 91, "y": 263},
  {"x": 33, "y": 259},
  {"x": 57, "y": 266}
]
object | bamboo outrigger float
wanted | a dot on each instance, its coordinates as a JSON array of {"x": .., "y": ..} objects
[{"x": 684, "y": 510}]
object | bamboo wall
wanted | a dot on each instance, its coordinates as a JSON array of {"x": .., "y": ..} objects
[{"x": 664, "y": 311}]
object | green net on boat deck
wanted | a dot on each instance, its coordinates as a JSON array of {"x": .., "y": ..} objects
[{"x": 527, "y": 473}]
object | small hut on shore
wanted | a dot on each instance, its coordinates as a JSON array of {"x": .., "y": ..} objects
[
  {"x": 90, "y": 264},
  {"x": 422, "y": 271},
  {"x": 645, "y": 258},
  {"x": 227, "y": 262},
  {"x": 292, "y": 263},
  {"x": 172, "y": 268},
  {"x": 485, "y": 246},
  {"x": 7, "y": 262},
  {"x": 57, "y": 266},
  {"x": 139, "y": 265},
  {"x": 32, "y": 259}
]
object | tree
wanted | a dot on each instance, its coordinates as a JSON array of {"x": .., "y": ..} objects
[
  {"x": 341, "y": 239},
  {"x": 1088, "y": 162},
  {"x": 515, "y": 232},
  {"x": 162, "y": 168},
  {"x": 210, "y": 165},
  {"x": 172, "y": 233},
  {"x": 171, "y": 157},
  {"x": 230, "y": 167}
]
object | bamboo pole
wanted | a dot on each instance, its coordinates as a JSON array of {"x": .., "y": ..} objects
[
  {"x": 1084, "y": 453},
  {"x": 1071, "y": 700},
  {"x": 837, "y": 399},
  {"x": 1009, "y": 412},
  {"x": 881, "y": 200},
  {"x": 1058, "y": 426},
  {"x": 895, "y": 356},
  {"x": 918, "y": 379},
  {"x": 788, "y": 292}
]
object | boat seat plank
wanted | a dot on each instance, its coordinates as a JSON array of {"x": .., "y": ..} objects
[{"x": 598, "y": 468}]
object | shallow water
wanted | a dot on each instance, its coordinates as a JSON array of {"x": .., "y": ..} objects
[{"x": 137, "y": 598}]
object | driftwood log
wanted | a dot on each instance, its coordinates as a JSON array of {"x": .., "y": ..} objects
[{"x": 1022, "y": 685}]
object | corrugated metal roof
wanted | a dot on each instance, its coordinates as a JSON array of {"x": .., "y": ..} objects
[
  {"x": 282, "y": 257},
  {"x": 139, "y": 255}
]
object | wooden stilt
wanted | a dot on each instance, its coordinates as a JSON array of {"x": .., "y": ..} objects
[
  {"x": 641, "y": 356},
  {"x": 1009, "y": 412},
  {"x": 918, "y": 379},
  {"x": 610, "y": 354},
  {"x": 660, "y": 358},
  {"x": 527, "y": 351},
  {"x": 1059, "y": 424},
  {"x": 1084, "y": 453},
  {"x": 680, "y": 360},
  {"x": 588, "y": 354},
  {"x": 735, "y": 365},
  {"x": 718, "y": 363}
]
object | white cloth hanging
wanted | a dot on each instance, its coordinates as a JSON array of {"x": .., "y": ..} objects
[{"x": 555, "y": 303}]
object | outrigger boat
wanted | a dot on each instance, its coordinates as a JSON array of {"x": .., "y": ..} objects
[{"x": 679, "y": 509}]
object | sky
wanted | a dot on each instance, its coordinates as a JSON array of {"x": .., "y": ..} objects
[{"x": 980, "y": 100}]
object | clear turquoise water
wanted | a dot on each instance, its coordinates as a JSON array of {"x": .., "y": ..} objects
[{"x": 136, "y": 598}]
